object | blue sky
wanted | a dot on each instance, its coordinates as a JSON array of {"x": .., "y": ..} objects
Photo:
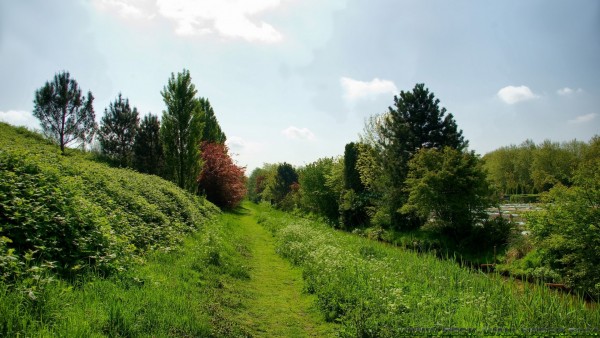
[{"x": 294, "y": 80}]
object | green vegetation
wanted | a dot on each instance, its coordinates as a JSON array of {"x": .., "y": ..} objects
[
  {"x": 118, "y": 129},
  {"x": 276, "y": 305},
  {"x": 376, "y": 290},
  {"x": 181, "y": 131},
  {"x": 65, "y": 115}
]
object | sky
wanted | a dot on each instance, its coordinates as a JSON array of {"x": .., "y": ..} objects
[{"x": 294, "y": 80}]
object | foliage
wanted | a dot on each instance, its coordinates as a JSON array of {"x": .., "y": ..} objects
[
  {"x": 316, "y": 196},
  {"x": 375, "y": 290},
  {"x": 530, "y": 168},
  {"x": 118, "y": 129},
  {"x": 447, "y": 187},
  {"x": 280, "y": 184},
  {"x": 212, "y": 132},
  {"x": 181, "y": 131},
  {"x": 65, "y": 115},
  {"x": 415, "y": 121},
  {"x": 178, "y": 293},
  {"x": 552, "y": 164},
  {"x": 221, "y": 180},
  {"x": 69, "y": 214},
  {"x": 353, "y": 199},
  {"x": 257, "y": 182},
  {"x": 567, "y": 231},
  {"x": 147, "y": 148}
]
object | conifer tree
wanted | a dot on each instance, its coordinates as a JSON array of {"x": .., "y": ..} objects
[
  {"x": 65, "y": 115},
  {"x": 147, "y": 148},
  {"x": 414, "y": 122},
  {"x": 118, "y": 129}
]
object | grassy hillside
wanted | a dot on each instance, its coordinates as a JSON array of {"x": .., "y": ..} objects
[
  {"x": 90, "y": 250},
  {"x": 68, "y": 213}
]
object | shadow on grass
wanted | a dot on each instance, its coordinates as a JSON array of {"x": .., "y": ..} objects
[{"x": 239, "y": 210}]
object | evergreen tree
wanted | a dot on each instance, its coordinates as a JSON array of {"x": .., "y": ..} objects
[
  {"x": 118, "y": 129},
  {"x": 65, "y": 115},
  {"x": 212, "y": 132},
  {"x": 147, "y": 148},
  {"x": 181, "y": 131},
  {"x": 414, "y": 122},
  {"x": 352, "y": 201},
  {"x": 285, "y": 177}
]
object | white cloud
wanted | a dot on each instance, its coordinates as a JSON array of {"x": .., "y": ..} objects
[
  {"x": 127, "y": 9},
  {"x": 227, "y": 18},
  {"x": 355, "y": 90},
  {"x": 293, "y": 133},
  {"x": 568, "y": 91},
  {"x": 20, "y": 118},
  {"x": 237, "y": 144},
  {"x": 512, "y": 94},
  {"x": 583, "y": 118}
]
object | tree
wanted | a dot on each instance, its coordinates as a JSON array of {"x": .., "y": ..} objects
[
  {"x": 279, "y": 183},
  {"x": 181, "y": 131},
  {"x": 212, "y": 132},
  {"x": 64, "y": 114},
  {"x": 352, "y": 201},
  {"x": 414, "y": 122},
  {"x": 552, "y": 164},
  {"x": 448, "y": 187},
  {"x": 256, "y": 184},
  {"x": 221, "y": 180},
  {"x": 118, "y": 129},
  {"x": 147, "y": 148},
  {"x": 567, "y": 229},
  {"x": 315, "y": 195}
]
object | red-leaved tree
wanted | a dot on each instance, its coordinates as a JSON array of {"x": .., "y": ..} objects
[{"x": 221, "y": 180}]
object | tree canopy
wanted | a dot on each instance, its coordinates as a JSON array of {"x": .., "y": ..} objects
[
  {"x": 147, "y": 148},
  {"x": 118, "y": 129},
  {"x": 65, "y": 115},
  {"x": 181, "y": 131},
  {"x": 221, "y": 180},
  {"x": 212, "y": 132},
  {"x": 414, "y": 122}
]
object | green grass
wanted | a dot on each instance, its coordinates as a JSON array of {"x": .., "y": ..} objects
[
  {"x": 276, "y": 305},
  {"x": 377, "y": 290},
  {"x": 182, "y": 293}
]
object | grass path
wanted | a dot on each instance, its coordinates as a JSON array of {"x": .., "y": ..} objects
[{"x": 276, "y": 305}]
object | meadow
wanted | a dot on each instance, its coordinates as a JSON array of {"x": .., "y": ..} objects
[
  {"x": 377, "y": 290},
  {"x": 87, "y": 250}
]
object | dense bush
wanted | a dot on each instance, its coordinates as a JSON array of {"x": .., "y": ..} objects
[
  {"x": 70, "y": 214},
  {"x": 567, "y": 232}
]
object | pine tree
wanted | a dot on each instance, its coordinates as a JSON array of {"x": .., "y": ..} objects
[
  {"x": 181, "y": 131},
  {"x": 65, "y": 115},
  {"x": 118, "y": 129},
  {"x": 414, "y": 122},
  {"x": 147, "y": 148}
]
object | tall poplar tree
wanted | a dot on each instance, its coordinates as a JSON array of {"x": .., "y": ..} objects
[
  {"x": 212, "y": 132},
  {"x": 64, "y": 113},
  {"x": 181, "y": 131},
  {"x": 118, "y": 128}
]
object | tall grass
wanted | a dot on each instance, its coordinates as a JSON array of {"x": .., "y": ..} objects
[{"x": 376, "y": 290}]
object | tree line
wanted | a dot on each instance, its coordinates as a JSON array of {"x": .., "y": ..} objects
[
  {"x": 186, "y": 146},
  {"x": 531, "y": 168},
  {"x": 411, "y": 167}
]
